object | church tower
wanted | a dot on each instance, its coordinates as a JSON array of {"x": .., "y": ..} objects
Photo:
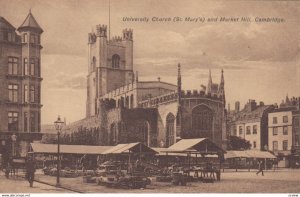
[{"x": 110, "y": 65}]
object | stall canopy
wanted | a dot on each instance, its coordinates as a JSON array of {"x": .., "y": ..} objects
[
  {"x": 197, "y": 145},
  {"x": 68, "y": 149},
  {"x": 249, "y": 154},
  {"x": 136, "y": 147},
  {"x": 162, "y": 152}
]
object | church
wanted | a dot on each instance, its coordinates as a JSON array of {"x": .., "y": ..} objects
[{"x": 125, "y": 109}]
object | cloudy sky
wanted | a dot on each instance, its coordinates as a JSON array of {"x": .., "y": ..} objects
[{"x": 260, "y": 60}]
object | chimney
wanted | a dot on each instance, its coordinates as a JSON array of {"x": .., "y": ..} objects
[
  {"x": 237, "y": 106},
  {"x": 261, "y": 104},
  {"x": 228, "y": 107},
  {"x": 252, "y": 104}
]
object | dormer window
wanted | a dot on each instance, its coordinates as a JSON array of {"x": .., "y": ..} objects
[{"x": 116, "y": 61}]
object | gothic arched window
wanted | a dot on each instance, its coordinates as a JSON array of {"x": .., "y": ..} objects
[
  {"x": 170, "y": 131},
  {"x": 116, "y": 61},
  {"x": 202, "y": 119}
]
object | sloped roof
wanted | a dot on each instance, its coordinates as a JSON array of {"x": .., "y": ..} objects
[
  {"x": 68, "y": 149},
  {"x": 30, "y": 22},
  {"x": 164, "y": 152},
  {"x": 249, "y": 154},
  {"x": 4, "y": 24},
  {"x": 131, "y": 147},
  {"x": 201, "y": 145}
]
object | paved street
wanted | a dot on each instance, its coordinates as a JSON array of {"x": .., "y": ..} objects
[
  {"x": 282, "y": 181},
  {"x": 19, "y": 185}
]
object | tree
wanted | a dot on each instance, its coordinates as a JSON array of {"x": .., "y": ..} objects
[{"x": 237, "y": 143}]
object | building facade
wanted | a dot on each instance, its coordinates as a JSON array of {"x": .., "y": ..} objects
[
  {"x": 20, "y": 84},
  {"x": 280, "y": 130},
  {"x": 251, "y": 124},
  {"x": 153, "y": 112},
  {"x": 284, "y": 130}
]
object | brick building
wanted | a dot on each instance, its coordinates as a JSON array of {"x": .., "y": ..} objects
[
  {"x": 153, "y": 112},
  {"x": 20, "y": 84},
  {"x": 251, "y": 123}
]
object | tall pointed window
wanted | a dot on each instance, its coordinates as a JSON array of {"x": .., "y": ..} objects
[
  {"x": 170, "y": 131},
  {"x": 116, "y": 61},
  {"x": 202, "y": 119}
]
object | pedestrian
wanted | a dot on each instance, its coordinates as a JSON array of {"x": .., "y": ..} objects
[
  {"x": 30, "y": 170},
  {"x": 260, "y": 168}
]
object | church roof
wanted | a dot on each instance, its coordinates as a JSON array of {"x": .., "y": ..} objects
[
  {"x": 30, "y": 22},
  {"x": 4, "y": 24}
]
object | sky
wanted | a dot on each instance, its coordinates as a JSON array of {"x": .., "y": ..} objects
[{"x": 260, "y": 59}]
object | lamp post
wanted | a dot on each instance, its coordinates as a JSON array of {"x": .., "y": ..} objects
[{"x": 58, "y": 126}]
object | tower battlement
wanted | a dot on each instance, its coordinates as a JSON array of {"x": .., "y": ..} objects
[
  {"x": 92, "y": 38},
  {"x": 185, "y": 94},
  {"x": 127, "y": 34},
  {"x": 101, "y": 30}
]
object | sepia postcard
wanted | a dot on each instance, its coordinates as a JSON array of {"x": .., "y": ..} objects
[{"x": 149, "y": 96}]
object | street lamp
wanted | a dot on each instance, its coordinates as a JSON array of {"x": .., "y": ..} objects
[{"x": 58, "y": 126}]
